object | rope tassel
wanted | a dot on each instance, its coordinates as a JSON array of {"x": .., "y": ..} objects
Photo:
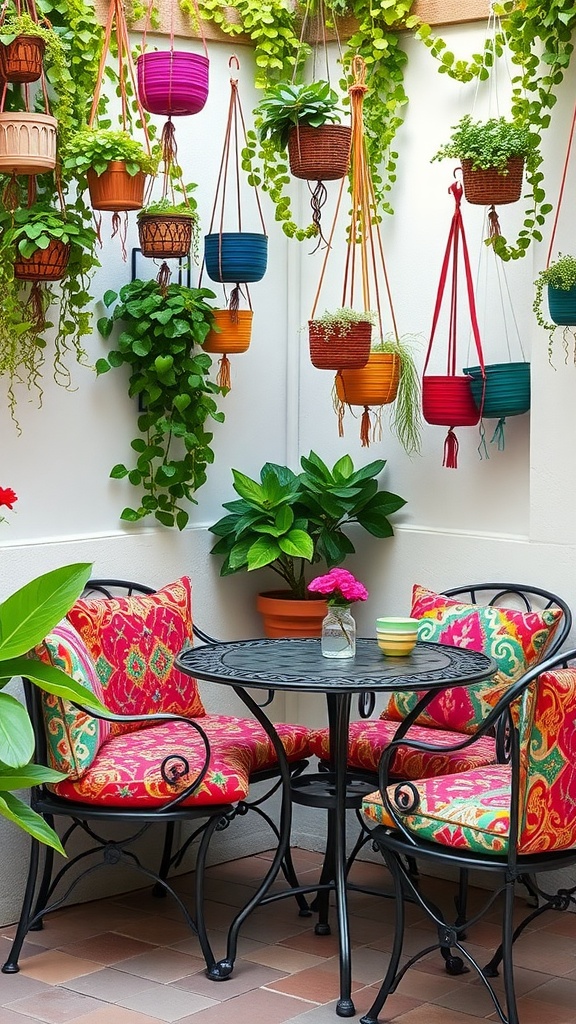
[
  {"x": 365, "y": 428},
  {"x": 451, "y": 447},
  {"x": 493, "y": 223},
  {"x": 223, "y": 379},
  {"x": 498, "y": 435}
]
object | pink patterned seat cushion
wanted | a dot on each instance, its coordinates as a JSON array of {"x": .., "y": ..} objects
[
  {"x": 471, "y": 810},
  {"x": 368, "y": 740},
  {"x": 126, "y": 770},
  {"x": 73, "y": 738},
  {"x": 515, "y": 640},
  {"x": 133, "y": 642}
]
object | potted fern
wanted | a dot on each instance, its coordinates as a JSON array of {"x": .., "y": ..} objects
[{"x": 559, "y": 279}]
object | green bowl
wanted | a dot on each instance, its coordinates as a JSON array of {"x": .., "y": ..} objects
[{"x": 393, "y": 624}]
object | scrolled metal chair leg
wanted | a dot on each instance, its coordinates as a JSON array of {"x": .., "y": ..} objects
[{"x": 11, "y": 965}]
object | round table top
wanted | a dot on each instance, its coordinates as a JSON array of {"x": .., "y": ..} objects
[{"x": 298, "y": 664}]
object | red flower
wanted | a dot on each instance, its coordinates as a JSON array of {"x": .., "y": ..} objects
[{"x": 8, "y": 497}]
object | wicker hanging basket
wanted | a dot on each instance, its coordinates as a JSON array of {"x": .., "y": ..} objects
[
  {"x": 319, "y": 154},
  {"x": 336, "y": 347},
  {"x": 491, "y": 187},
  {"x": 22, "y": 59},
  {"x": 115, "y": 189},
  {"x": 45, "y": 264},
  {"x": 168, "y": 236}
]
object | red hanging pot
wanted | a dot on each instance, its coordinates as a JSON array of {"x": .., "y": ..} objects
[
  {"x": 173, "y": 82},
  {"x": 449, "y": 402}
]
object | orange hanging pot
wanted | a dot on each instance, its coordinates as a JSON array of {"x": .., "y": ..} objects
[
  {"x": 22, "y": 59},
  {"x": 115, "y": 189},
  {"x": 319, "y": 154},
  {"x": 375, "y": 384},
  {"x": 47, "y": 264},
  {"x": 234, "y": 333}
]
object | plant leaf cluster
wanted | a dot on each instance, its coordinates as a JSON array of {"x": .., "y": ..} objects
[
  {"x": 286, "y": 520},
  {"x": 489, "y": 143},
  {"x": 95, "y": 148},
  {"x": 285, "y": 106},
  {"x": 342, "y": 319},
  {"x": 160, "y": 341},
  {"x": 26, "y": 617}
]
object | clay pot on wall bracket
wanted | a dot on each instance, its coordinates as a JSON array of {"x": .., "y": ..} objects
[
  {"x": 284, "y": 616},
  {"x": 115, "y": 189},
  {"x": 27, "y": 143},
  {"x": 22, "y": 59},
  {"x": 45, "y": 264},
  {"x": 488, "y": 187},
  {"x": 172, "y": 82},
  {"x": 168, "y": 236},
  {"x": 375, "y": 384},
  {"x": 335, "y": 348},
  {"x": 319, "y": 154},
  {"x": 236, "y": 257},
  {"x": 562, "y": 305}
]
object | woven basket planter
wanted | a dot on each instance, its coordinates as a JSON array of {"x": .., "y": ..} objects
[
  {"x": 166, "y": 235},
  {"x": 115, "y": 189},
  {"x": 27, "y": 143},
  {"x": 171, "y": 82},
  {"x": 319, "y": 154},
  {"x": 489, "y": 187},
  {"x": 235, "y": 332},
  {"x": 335, "y": 348},
  {"x": 506, "y": 391},
  {"x": 45, "y": 265},
  {"x": 236, "y": 256},
  {"x": 448, "y": 401},
  {"x": 376, "y": 384},
  {"x": 21, "y": 60},
  {"x": 562, "y": 305}
]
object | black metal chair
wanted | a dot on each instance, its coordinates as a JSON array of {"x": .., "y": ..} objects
[
  {"x": 514, "y": 821},
  {"x": 179, "y": 770}
]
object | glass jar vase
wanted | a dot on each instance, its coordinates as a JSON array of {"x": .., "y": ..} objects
[{"x": 338, "y": 633}]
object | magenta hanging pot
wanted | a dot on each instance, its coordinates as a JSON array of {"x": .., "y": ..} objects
[{"x": 172, "y": 82}]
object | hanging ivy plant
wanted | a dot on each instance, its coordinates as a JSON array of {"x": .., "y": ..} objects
[{"x": 162, "y": 333}]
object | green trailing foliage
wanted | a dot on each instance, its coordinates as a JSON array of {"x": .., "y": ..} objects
[
  {"x": 490, "y": 143},
  {"x": 286, "y": 520},
  {"x": 162, "y": 331},
  {"x": 342, "y": 319},
  {"x": 405, "y": 411},
  {"x": 26, "y": 617}
]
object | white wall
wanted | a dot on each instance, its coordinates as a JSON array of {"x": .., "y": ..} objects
[{"x": 506, "y": 517}]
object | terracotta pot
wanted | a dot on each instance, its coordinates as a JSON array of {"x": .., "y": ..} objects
[
  {"x": 375, "y": 384},
  {"x": 45, "y": 265},
  {"x": 165, "y": 235},
  {"x": 336, "y": 349},
  {"x": 115, "y": 189},
  {"x": 284, "y": 616},
  {"x": 21, "y": 60},
  {"x": 319, "y": 154},
  {"x": 27, "y": 143},
  {"x": 235, "y": 331},
  {"x": 487, "y": 187}
]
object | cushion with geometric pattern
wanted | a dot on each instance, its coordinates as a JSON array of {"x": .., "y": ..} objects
[{"x": 133, "y": 642}]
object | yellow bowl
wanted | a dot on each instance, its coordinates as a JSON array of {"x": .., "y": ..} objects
[{"x": 396, "y": 646}]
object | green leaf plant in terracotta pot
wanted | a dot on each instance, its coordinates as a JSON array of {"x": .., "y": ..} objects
[
  {"x": 47, "y": 257},
  {"x": 163, "y": 328},
  {"x": 559, "y": 280},
  {"x": 112, "y": 164},
  {"x": 26, "y": 617},
  {"x": 286, "y": 520}
]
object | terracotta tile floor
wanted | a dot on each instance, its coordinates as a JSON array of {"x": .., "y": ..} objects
[{"x": 130, "y": 960}]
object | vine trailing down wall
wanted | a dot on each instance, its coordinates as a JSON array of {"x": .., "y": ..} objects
[{"x": 537, "y": 33}]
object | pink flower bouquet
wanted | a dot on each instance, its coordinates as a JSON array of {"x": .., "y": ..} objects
[{"x": 339, "y": 586}]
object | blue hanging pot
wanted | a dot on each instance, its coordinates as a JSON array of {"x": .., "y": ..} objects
[
  {"x": 562, "y": 305},
  {"x": 507, "y": 389},
  {"x": 236, "y": 256}
]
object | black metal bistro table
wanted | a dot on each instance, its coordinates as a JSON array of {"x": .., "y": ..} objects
[{"x": 297, "y": 665}]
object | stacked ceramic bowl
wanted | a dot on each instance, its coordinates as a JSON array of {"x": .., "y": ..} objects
[{"x": 396, "y": 636}]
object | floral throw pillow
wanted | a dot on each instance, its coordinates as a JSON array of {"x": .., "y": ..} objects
[
  {"x": 73, "y": 737},
  {"x": 515, "y": 640},
  {"x": 133, "y": 642}
]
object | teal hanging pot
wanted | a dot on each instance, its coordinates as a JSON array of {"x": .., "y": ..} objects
[
  {"x": 562, "y": 305},
  {"x": 236, "y": 256},
  {"x": 506, "y": 392}
]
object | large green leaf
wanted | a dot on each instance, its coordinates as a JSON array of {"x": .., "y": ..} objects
[
  {"x": 29, "y": 614},
  {"x": 24, "y": 776},
  {"x": 248, "y": 489},
  {"x": 21, "y": 814},
  {"x": 263, "y": 552},
  {"x": 16, "y": 733},
  {"x": 51, "y": 679},
  {"x": 297, "y": 544}
]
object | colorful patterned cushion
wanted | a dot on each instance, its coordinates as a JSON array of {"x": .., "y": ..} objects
[
  {"x": 369, "y": 739},
  {"x": 471, "y": 810},
  {"x": 516, "y": 640},
  {"x": 72, "y": 736},
  {"x": 133, "y": 642},
  {"x": 126, "y": 771}
]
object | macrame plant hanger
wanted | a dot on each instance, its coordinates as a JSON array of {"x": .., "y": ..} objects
[
  {"x": 226, "y": 266},
  {"x": 447, "y": 400},
  {"x": 116, "y": 23},
  {"x": 364, "y": 259}
]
